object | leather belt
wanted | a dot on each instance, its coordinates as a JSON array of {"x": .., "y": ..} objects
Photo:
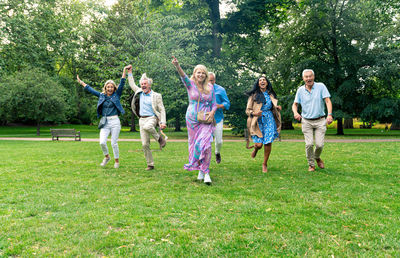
[
  {"x": 315, "y": 118},
  {"x": 145, "y": 116}
]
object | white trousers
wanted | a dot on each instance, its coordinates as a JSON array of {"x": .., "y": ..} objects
[
  {"x": 112, "y": 126},
  {"x": 218, "y": 136},
  {"x": 148, "y": 127}
]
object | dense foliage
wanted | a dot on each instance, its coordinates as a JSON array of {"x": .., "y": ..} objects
[{"x": 353, "y": 46}]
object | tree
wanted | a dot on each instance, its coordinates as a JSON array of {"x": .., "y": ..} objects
[
  {"x": 34, "y": 97},
  {"x": 146, "y": 36},
  {"x": 39, "y": 34},
  {"x": 347, "y": 43}
]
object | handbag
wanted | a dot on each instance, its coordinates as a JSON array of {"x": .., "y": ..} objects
[
  {"x": 102, "y": 123},
  {"x": 203, "y": 116}
]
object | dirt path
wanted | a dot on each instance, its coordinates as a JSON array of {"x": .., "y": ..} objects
[{"x": 184, "y": 140}]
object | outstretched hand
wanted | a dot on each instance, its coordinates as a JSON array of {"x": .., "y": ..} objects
[
  {"x": 175, "y": 61},
  {"x": 80, "y": 81},
  {"x": 128, "y": 68}
]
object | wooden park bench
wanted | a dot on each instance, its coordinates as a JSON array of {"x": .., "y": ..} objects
[{"x": 55, "y": 133}]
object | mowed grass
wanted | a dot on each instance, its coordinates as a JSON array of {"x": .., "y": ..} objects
[
  {"x": 91, "y": 131},
  {"x": 55, "y": 200}
]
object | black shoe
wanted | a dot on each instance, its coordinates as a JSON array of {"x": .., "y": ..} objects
[
  {"x": 150, "y": 167},
  {"x": 162, "y": 142},
  {"x": 218, "y": 158}
]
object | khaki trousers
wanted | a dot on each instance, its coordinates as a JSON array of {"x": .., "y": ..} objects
[
  {"x": 309, "y": 127},
  {"x": 147, "y": 128}
]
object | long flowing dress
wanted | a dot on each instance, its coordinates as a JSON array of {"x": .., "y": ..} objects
[
  {"x": 267, "y": 124},
  {"x": 200, "y": 136}
]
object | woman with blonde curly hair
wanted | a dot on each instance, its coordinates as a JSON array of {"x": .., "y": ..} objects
[
  {"x": 200, "y": 133},
  {"x": 109, "y": 108}
]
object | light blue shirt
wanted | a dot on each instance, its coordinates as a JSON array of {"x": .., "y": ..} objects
[
  {"x": 146, "y": 109},
  {"x": 221, "y": 98},
  {"x": 312, "y": 103}
]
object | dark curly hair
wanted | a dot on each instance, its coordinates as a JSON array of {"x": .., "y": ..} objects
[{"x": 259, "y": 96}]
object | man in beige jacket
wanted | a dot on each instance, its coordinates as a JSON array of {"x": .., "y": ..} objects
[{"x": 148, "y": 106}]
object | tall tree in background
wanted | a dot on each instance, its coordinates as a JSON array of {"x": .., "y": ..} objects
[
  {"x": 145, "y": 35},
  {"x": 39, "y": 34},
  {"x": 347, "y": 43}
]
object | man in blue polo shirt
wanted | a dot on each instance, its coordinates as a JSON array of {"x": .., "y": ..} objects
[
  {"x": 312, "y": 97},
  {"x": 222, "y": 103}
]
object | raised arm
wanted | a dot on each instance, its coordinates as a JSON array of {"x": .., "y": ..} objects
[
  {"x": 80, "y": 81},
  {"x": 87, "y": 87},
  {"x": 122, "y": 82},
  {"x": 177, "y": 66},
  {"x": 131, "y": 81}
]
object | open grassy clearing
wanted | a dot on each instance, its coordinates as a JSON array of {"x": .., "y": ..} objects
[{"x": 55, "y": 200}]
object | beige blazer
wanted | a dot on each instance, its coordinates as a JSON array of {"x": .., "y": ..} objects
[
  {"x": 156, "y": 102},
  {"x": 254, "y": 107}
]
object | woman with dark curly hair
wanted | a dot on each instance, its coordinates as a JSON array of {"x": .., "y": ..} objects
[{"x": 264, "y": 119}]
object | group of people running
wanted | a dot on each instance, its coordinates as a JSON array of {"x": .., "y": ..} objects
[{"x": 210, "y": 99}]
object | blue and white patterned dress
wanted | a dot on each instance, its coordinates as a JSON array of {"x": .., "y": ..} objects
[{"x": 266, "y": 122}]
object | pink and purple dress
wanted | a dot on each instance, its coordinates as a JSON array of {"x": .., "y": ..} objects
[{"x": 200, "y": 136}]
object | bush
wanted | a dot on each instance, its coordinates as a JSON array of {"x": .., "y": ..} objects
[{"x": 35, "y": 96}]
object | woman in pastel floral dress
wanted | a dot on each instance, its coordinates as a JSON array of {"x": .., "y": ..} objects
[
  {"x": 264, "y": 119},
  {"x": 200, "y": 135}
]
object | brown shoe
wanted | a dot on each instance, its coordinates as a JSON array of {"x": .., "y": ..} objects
[
  {"x": 162, "y": 142},
  {"x": 320, "y": 163},
  {"x": 150, "y": 168},
  {"x": 311, "y": 168},
  {"x": 264, "y": 168}
]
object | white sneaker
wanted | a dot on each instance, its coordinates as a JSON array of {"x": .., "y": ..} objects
[
  {"x": 116, "y": 165},
  {"x": 207, "y": 179},
  {"x": 200, "y": 176},
  {"x": 105, "y": 161}
]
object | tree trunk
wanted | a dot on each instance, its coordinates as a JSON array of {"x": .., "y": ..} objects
[
  {"x": 133, "y": 125},
  {"x": 348, "y": 123},
  {"x": 177, "y": 124},
  {"x": 340, "y": 126},
  {"x": 395, "y": 125},
  {"x": 216, "y": 21},
  {"x": 287, "y": 125},
  {"x": 38, "y": 128}
]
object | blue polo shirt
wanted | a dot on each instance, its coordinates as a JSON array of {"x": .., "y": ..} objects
[
  {"x": 312, "y": 102},
  {"x": 221, "y": 98},
  {"x": 146, "y": 109}
]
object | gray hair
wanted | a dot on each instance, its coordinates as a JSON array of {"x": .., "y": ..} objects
[
  {"x": 145, "y": 78},
  {"x": 211, "y": 73},
  {"x": 307, "y": 70}
]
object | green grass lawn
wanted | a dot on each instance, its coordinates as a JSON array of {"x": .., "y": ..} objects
[
  {"x": 92, "y": 132},
  {"x": 55, "y": 200}
]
